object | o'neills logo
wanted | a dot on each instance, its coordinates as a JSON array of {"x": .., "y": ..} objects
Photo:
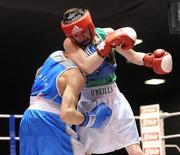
[
  {"x": 76, "y": 29},
  {"x": 101, "y": 91}
]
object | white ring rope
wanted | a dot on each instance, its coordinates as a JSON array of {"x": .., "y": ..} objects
[
  {"x": 171, "y": 136},
  {"x": 162, "y": 116},
  {"x": 173, "y": 146},
  {"x": 8, "y": 116},
  {"x": 166, "y": 114},
  {"x": 8, "y": 138}
]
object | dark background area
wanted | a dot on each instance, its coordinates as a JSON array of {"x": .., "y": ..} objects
[{"x": 29, "y": 32}]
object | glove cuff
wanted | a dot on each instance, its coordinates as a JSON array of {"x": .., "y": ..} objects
[
  {"x": 86, "y": 119},
  {"x": 103, "y": 50},
  {"x": 89, "y": 120},
  {"x": 147, "y": 59}
]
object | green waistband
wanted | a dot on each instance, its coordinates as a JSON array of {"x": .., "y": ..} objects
[{"x": 104, "y": 81}]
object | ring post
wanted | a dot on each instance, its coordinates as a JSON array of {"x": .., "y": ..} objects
[
  {"x": 12, "y": 135},
  {"x": 152, "y": 130}
]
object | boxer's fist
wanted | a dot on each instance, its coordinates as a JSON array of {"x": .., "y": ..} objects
[
  {"x": 124, "y": 37},
  {"x": 160, "y": 60},
  {"x": 98, "y": 117}
]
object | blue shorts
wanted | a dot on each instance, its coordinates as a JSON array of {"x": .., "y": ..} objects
[{"x": 43, "y": 133}]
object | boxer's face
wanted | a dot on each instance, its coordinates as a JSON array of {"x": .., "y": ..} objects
[{"x": 84, "y": 37}]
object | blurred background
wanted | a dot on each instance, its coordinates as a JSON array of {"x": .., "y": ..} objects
[{"x": 29, "y": 32}]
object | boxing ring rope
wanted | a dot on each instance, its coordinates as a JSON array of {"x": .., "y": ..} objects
[
  {"x": 162, "y": 116},
  {"x": 8, "y": 116}
]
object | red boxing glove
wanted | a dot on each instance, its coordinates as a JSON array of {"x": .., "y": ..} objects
[
  {"x": 160, "y": 60},
  {"x": 125, "y": 37}
]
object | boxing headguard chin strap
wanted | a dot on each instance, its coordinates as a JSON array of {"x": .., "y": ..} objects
[{"x": 79, "y": 26}]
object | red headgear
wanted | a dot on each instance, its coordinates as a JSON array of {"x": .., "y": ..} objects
[{"x": 79, "y": 26}]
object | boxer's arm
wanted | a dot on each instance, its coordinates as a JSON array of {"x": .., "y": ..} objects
[
  {"x": 70, "y": 89},
  {"x": 160, "y": 60},
  {"x": 132, "y": 55},
  {"x": 70, "y": 84},
  {"x": 87, "y": 64}
]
